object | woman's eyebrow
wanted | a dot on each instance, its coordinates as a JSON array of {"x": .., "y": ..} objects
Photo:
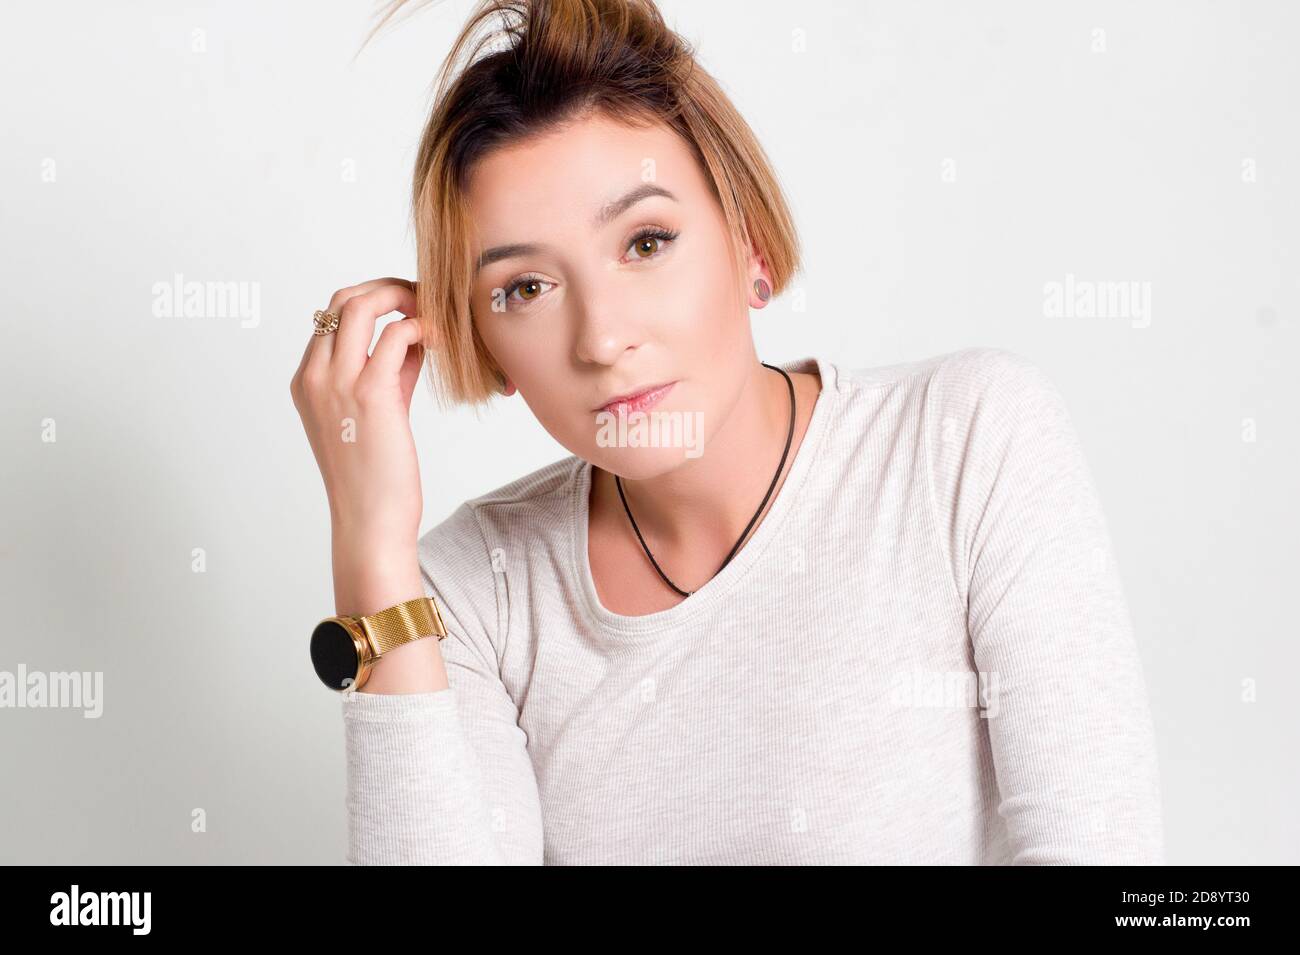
[
  {"x": 612, "y": 210},
  {"x": 497, "y": 253},
  {"x": 608, "y": 212}
]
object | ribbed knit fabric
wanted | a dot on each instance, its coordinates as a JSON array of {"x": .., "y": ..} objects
[{"x": 922, "y": 655}]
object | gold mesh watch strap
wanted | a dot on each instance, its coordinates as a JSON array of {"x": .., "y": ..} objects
[{"x": 401, "y": 624}]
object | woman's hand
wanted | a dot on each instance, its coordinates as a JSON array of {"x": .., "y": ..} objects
[{"x": 355, "y": 407}]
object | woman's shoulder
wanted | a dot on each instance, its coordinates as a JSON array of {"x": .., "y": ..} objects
[
  {"x": 973, "y": 368},
  {"x": 464, "y": 555},
  {"x": 533, "y": 501},
  {"x": 989, "y": 439},
  {"x": 942, "y": 394}
]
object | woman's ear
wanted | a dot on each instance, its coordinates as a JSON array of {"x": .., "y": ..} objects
[{"x": 760, "y": 284}]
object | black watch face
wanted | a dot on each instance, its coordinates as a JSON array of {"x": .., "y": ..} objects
[{"x": 334, "y": 655}]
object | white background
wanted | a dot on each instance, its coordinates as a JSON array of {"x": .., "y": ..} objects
[{"x": 944, "y": 161}]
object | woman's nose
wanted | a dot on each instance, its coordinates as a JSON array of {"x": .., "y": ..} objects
[{"x": 606, "y": 325}]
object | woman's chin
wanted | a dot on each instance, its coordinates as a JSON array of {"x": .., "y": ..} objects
[{"x": 639, "y": 463}]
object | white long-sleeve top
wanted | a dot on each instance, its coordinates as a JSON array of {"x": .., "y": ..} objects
[{"x": 922, "y": 654}]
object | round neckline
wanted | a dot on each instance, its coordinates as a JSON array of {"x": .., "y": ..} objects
[{"x": 722, "y": 583}]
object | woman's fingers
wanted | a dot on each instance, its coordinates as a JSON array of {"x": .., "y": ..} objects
[
  {"x": 319, "y": 351},
  {"x": 321, "y": 347},
  {"x": 342, "y": 295},
  {"x": 357, "y": 326},
  {"x": 395, "y": 362}
]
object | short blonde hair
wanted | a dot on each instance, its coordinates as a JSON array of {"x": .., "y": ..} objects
[{"x": 547, "y": 63}]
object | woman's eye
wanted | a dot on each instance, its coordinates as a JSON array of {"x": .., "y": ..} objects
[
  {"x": 529, "y": 288},
  {"x": 650, "y": 243}
]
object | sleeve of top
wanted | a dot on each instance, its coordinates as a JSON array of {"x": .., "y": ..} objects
[
  {"x": 444, "y": 778},
  {"x": 1069, "y": 722}
]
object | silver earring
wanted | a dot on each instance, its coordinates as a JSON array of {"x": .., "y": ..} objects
[{"x": 762, "y": 290}]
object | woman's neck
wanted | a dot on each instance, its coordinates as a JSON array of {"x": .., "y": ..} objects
[{"x": 705, "y": 504}]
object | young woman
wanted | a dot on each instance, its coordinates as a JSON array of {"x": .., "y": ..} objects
[{"x": 830, "y": 615}]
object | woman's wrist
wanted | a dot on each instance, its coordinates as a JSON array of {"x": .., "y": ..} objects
[{"x": 370, "y": 577}]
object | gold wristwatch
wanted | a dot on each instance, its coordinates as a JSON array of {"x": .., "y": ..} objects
[{"x": 345, "y": 649}]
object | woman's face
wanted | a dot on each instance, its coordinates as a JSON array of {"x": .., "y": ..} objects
[{"x": 604, "y": 270}]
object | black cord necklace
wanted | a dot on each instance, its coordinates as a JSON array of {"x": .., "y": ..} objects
[{"x": 780, "y": 467}]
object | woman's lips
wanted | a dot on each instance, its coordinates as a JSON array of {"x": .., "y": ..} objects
[{"x": 639, "y": 402}]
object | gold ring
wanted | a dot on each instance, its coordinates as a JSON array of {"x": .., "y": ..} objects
[{"x": 325, "y": 322}]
